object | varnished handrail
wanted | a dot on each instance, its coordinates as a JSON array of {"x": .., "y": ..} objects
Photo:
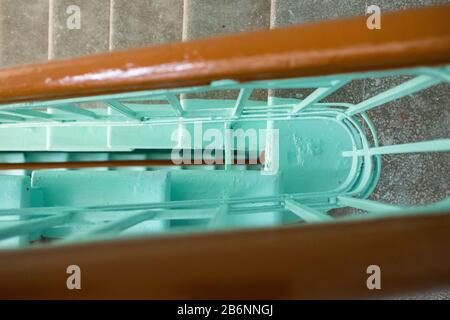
[
  {"x": 313, "y": 261},
  {"x": 406, "y": 39}
]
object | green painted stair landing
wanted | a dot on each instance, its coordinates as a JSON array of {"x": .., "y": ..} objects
[{"x": 328, "y": 157}]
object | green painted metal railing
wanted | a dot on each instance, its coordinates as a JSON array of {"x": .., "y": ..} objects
[{"x": 328, "y": 157}]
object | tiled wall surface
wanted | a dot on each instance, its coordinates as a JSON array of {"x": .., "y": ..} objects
[
  {"x": 93, "y": 35},
  {"x": 144, "y": 22},
  {"x": 23, "y": 31},
  {"x": 204, "y": 18}
]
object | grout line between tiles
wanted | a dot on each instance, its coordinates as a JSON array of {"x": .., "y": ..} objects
[
  {"x": 185, "y": 21},
  {"x": 110, "y": 40},
  {"x": 273, "y": 4},
  {"x": 50, "y": 53}
]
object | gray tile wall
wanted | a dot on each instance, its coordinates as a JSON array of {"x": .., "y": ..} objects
[
  {"x": 204, "y": 18},
  {"x": 140, "y": 23},
  {"x": 287, "y": 12},
  {"x": 23, "y": 31},
  {"x": 93, "y": 35}
]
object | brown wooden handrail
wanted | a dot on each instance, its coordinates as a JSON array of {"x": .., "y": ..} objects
[
  {"x": 407, "y": 38},
  {"x": 313, "y": 261}
]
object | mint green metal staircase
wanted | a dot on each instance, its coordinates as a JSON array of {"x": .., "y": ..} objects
[{"x": 324, "y": 156}]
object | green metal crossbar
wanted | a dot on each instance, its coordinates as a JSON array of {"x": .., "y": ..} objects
[{"x": 327, "y": 155}]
